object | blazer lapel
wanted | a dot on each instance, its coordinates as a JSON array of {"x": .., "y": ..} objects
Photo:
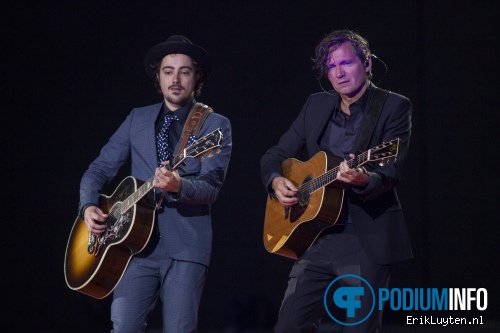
[
  {"x": 150, "y": 120},
  {"x": 323, "y": 118}
]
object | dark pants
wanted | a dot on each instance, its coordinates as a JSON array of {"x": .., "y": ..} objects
[{"x": 335, "y": 253}]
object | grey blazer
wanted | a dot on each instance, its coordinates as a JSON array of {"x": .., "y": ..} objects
[{"x": 185, "y": 220}]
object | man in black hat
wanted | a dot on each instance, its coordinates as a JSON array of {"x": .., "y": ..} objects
[{"x": 173, "y": 263}]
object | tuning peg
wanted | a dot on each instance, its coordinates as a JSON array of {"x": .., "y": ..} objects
[
  {"x": 217, "y": 150},
  {"x": 381, "y": 163},
  {"x": 202, "y": 157}
]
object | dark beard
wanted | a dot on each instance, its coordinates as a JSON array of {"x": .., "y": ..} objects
[{"x": 178, "y": 100}]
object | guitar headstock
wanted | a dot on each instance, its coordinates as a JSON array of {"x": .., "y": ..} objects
[
  {"x": 199, "y": 147},
  {"x": 384, "y": 152}
]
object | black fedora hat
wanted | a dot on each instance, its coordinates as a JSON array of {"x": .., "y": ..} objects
[{"x": 177, "y": 44}]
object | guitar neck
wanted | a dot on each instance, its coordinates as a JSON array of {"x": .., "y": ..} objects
[
  {"x": 148, "y": 186},
  {"x": 137, "y": 195},
  {"x": 197, "y": 148},
  {"x": 384, "y": 151},
  {"x": 331, "y": 175}
]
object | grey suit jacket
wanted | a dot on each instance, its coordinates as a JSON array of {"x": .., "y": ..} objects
[
  {"x": 185, "y": 220},
  {"x": 376, "y": 212}
]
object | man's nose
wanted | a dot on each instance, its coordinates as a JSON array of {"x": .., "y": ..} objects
[
  {"x": 175, "y": 77},
  {"x": 339, "y": 72}
]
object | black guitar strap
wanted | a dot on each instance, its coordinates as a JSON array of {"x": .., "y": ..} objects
[{"x": 375, "y": 105}]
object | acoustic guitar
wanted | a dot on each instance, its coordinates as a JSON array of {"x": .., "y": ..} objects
[
  {"x": 94, "y": 265},
  {"x": 290, "y": 232}
]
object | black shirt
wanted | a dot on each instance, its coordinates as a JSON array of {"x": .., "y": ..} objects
[
  {"x": 340, "y": 133},
  {"x": 175, "y": 130}
]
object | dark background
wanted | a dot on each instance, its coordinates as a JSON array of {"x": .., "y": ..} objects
[{"x": 72, "y": 71}]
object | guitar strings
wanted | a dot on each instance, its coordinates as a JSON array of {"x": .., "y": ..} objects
[
  {"x": 144, "y": 188},
  {"x": 314, "y": 184}
]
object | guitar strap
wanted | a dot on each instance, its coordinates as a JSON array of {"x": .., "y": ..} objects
[
  {"x": 375, "y": 105},
  {"x": 199, "y": 112}
]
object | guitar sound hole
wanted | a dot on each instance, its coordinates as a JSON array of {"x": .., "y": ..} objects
[{"x": 298, "y": 210}]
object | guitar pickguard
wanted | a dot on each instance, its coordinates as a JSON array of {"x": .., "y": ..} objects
[{"x": 114, "y": 232}]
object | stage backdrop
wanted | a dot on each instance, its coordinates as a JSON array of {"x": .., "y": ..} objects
[{"x": 72, "y": 71}]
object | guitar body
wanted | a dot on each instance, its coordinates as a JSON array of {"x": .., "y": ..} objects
[
  {"x": 97, "y": 273},
  {"x": 291, "y": 232}
]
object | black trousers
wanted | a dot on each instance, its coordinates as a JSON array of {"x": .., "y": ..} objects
[{"x": 335, "y": 253}]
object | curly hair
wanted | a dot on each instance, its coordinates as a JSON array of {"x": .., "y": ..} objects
[
  {"x": 197, "y": 70},
  {"x": 332, "y": 41}
]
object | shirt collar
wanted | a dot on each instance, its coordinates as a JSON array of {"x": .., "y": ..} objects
[
  {"x": 362, "y": 101},
  {"x": 181, "y": 112}
]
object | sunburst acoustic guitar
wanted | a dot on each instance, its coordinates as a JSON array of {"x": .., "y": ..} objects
[{"x": 94, "y": 265}]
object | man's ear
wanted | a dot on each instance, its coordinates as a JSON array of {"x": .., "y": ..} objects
[{"x": 368, "y": 64}]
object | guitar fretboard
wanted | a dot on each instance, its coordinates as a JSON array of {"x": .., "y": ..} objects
[
  {"x": 137, "y": 195},
  {"x": 331, "y": 175},
  {"x": 198, "y": 147}
]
